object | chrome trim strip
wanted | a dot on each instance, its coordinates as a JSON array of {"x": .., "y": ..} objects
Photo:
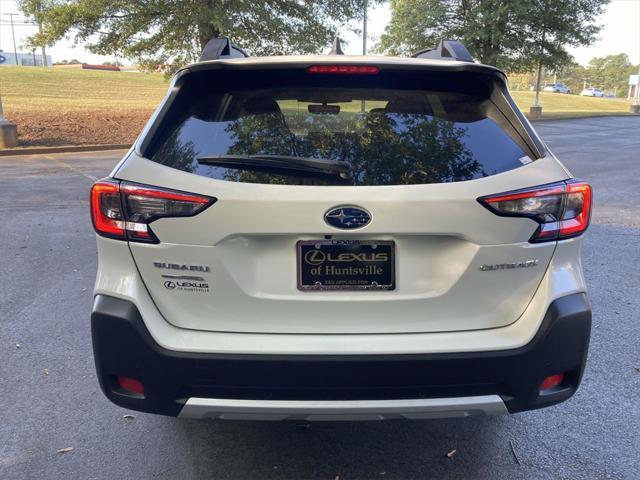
[{"x": 331, "y": 410}]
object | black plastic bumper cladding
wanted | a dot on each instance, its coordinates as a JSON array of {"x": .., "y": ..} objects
[{"x": 123, "y": 346}]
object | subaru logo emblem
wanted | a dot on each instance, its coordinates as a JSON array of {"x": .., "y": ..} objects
[{"x": 347, "y": 217}]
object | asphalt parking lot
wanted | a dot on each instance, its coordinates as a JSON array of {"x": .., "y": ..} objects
[{"x": 50, "y": 398}]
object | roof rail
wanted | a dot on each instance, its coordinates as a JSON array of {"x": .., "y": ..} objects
[
  {"x": 336, "y": 49},
  {"x": 446, "y": 50},
  {"x": 221, "y": 47}
]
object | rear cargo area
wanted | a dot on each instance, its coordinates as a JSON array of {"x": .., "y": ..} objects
[{"x": 411, "y": 151}]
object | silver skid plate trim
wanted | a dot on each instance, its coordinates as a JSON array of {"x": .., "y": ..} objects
[{"x": 332, "y": 410}]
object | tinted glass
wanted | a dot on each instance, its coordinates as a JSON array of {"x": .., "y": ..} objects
[{"x": 381, "y": 133}]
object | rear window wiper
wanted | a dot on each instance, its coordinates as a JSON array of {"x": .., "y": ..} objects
[{"x": 280, "y": 164}]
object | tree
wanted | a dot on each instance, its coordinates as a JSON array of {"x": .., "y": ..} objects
[
  {"x": 547, "y": 27},
  {"x": 514, "y": 35},
  {"x": 574, "y": 76},
  {"x": 159, "y": 32},
  {"x": 74, "y": 61},
  {"x": 484, "y": 26},
  {"x": 611, "y": 72}
]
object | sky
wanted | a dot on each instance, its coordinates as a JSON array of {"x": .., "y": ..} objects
[{"x": 621, "y": 34}]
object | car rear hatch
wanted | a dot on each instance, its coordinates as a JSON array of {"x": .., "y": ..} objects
[{"x": 346, "y": 198}]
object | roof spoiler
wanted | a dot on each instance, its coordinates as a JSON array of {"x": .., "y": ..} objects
[
  {"x": 446, "y": 50},
  {"x": 221, "y": 47}
]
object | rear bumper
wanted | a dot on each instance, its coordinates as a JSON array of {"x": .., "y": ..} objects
[
  {"x": 311, "y": 410},
  {"x": 338, "y": 386}
]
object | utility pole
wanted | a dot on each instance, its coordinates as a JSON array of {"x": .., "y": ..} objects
[
  {"x": 364, "y": 44},
  {"x": 43, "y": 52},
  {"x": 8, "y": 131},
  {"x": 635, "y": 108},
  {"x": 637, "y": 100},
  {"x": 536, "y": 102},
  {"x": 13, "y": 34},
  {"x": 364, "y": 29},
  {"x": 536, "y": 110}
]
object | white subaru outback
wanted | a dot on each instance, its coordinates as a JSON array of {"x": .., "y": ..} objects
[{"x": 336, "y": 237}]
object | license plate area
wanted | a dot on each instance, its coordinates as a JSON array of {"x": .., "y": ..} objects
[{"x": 346, "y": 265}]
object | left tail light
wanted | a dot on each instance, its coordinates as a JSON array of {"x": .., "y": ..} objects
[
  {"x": 562, "y": 210},
  {"x": 123, "y": 210}
]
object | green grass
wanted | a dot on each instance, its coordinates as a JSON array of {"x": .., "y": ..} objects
[
  {"x": 29, "y": 89},
  {"x": 558, "y": 105},
  {"x": 35, "y": 89}
]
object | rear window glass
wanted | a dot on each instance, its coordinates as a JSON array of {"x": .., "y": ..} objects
[{"x": 378, "y": 130}]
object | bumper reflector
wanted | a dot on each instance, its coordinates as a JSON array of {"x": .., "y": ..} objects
[
  {"x": 552, "y": 381},
  {"x": 131, "y": 385}
]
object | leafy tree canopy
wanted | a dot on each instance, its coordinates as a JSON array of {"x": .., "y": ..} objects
[
  {"x": 611, "y": 73},
  {"x": 512, "y": 34},
  {"x": 548, "y": 27},
  {"x": 159, "y": 32}
]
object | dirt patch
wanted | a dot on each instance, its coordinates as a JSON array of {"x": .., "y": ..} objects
[{"x": 45, "y": 128}]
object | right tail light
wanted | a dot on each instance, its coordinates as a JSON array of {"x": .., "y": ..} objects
[{"x": 563, "y": 210}]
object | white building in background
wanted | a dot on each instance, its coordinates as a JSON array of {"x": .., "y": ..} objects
[
  {"x": 634, "y": 84},
  {"x": 24, "y": 59}
]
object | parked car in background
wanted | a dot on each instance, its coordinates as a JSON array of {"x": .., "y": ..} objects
[
  {"x": 592, "y": 92},
  {"x": 556, "y": 88}
]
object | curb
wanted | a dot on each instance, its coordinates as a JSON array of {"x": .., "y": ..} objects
[
  {"x": 9, "y": 152},
  {"x": 578, "y": 117}
]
